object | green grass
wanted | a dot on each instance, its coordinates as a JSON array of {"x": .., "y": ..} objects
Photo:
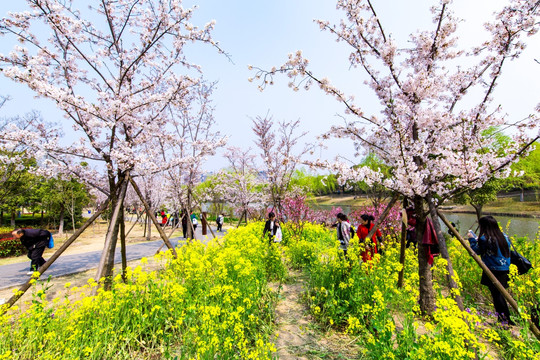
[
  {"x": 337, "y": 200},
  {"x": 505, "y": 205},
  {"x": 511, "y": 205}
]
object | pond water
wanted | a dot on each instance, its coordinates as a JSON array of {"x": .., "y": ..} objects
[{"x": 513, "y": 226}]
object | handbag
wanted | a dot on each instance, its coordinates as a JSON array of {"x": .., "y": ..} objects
[
  {"x": 522, "y": 263},
  {"x": 50, "y": 245},
  {"x": 279, "y": 236}
]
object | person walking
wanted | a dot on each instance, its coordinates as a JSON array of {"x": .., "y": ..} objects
[
  {"x": 163, "y": 218},
  {"x": 184, "y": 219},
  {"x": 370, "y": 245},
  {"x": 194, "y": 221},
  {"x": 271, "y": 227},
  {"x": 35, "y": 240},
  {"x": 220, "y": 220},
  {"x": 493, "y": 246},
  {"x": 343, "y": 228}
]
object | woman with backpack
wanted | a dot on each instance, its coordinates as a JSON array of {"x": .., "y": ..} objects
[
  {"x": 493, "y": 247},
  {"x": 370, "y": 245}
]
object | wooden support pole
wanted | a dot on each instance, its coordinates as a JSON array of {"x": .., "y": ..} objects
[
  {"x": 123, "y": 244},
  {"x": 135, "y": 223},
  {"x": 169, "y": 237},
  {"x": 152, "y": 217},
  {"x": 241, "y": 216},
  {"x": 488, "y": 272},
  {"x": 454, "y": 288},
  {"x": 402, "y": 248},
  {"x": 383, "y": 216},
  {"x": 52, "y": 259}
]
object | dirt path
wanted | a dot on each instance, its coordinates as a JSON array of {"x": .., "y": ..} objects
[{"x": 299, "y": 336}]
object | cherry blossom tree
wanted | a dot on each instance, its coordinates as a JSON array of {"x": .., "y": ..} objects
[
  {"x": 279, "y": 154},
  {"x": 241, "y": 184},
  {"x": 194, "y": 140},
  {"x": 114, "y": 68},
  {"x": 434, "y": 105}
]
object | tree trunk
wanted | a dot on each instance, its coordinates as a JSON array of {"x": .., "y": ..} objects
[
  {"x": 106, "y": 261},
  {"x": 12, "y": 218},
  {"x": 454, "y": 288},
  {"x": 478, "y": 211},
  {"x": 2, "y": 217},
  {"x": 427, "y": 295},
  {"x": 209, "y": 227},
  {"x": 148, "y": 227},
  {"x": 61, "y": 221},
  {"x": 204, "y": 223}
]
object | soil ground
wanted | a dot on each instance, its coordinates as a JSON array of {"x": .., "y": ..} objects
[{"x": 298, "y": 336}]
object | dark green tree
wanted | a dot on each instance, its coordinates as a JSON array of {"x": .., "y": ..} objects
[
  {"x": 63, "y": 200},
  {"x": 528, "y": 172},
  {"x": 477, "y": 198}
]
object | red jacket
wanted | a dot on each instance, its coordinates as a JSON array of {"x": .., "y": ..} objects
[{"x": 363, "y": 232}]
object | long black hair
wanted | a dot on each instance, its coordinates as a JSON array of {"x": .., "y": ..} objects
[
  {"x": 368, "y": 218},
  {"x": 342, "y": 217},
  {"x": 489, "y": 228}
]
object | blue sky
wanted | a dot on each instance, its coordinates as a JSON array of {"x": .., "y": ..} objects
[{"x": 263, "y": 32}]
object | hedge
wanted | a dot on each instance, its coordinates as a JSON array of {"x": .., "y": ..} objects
[{"x": 10, "y": 246}]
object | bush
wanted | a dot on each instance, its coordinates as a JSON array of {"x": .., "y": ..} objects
[
  {"x": 9, "y": 246},
  {"x": 5, "y": 232}
]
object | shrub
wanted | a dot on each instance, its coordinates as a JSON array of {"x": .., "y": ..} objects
[{"x": 10, "y": 246}]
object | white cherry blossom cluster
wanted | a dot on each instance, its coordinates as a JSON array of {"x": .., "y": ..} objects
[
  {"x": 426, "y": 131},
  {"x": 241, "y": 184},
  {"x": 116, "y": 69}
]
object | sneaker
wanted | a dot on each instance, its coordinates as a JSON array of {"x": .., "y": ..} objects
[{"x": 29, "y": 273}]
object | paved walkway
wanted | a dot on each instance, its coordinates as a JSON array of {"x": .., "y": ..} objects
[{"x": 15, "y": 274}]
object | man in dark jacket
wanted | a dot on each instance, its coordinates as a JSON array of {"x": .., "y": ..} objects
[
  {"x": 271, "y": 227},
  {"x": 35, "y": 240}
]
